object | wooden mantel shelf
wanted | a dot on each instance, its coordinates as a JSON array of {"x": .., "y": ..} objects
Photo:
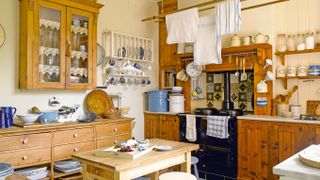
[{"x": 297, "y": 52}]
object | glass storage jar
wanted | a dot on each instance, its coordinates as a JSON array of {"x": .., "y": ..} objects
[
  {"x": 281, "y": 43},
  {"x": 309, "y": 41},
  {"x": 291, "y": 45},
  {"x": 317, "y": 39},
  {"x": 301, "y": 42}
]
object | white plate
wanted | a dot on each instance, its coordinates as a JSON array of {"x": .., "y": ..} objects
[
  {"x": 163, "y": 148},
  {"x": 193, "y": 70},
  {"x": 38, "y": 176},
  {"x": 66, "y": 164}
]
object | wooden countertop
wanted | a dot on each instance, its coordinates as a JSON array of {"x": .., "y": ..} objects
[
  {"x": 54, "y": 126},
  {"x": 276, "y": 119},
  {"x": 122, "y": 164}
]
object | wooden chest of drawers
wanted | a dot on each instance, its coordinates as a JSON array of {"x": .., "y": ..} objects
[{"x": 25, "y": 147}]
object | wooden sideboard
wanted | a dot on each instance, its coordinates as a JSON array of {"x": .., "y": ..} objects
[
  {"x": 162, "y": 126},
  {"x": 263, "y": 144},
  {"x": 43, "y": 145}
]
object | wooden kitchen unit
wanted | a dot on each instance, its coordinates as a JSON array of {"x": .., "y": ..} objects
[
  {"x": 116, "y": 168},
  {"x": 264, "y": 144},
  {"x": 42, "y": 145},
  {"x": 164, "y": 126},
  {"x": 58, "y": 44}
]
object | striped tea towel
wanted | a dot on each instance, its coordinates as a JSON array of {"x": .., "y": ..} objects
[{"x": 217, "y": 126}]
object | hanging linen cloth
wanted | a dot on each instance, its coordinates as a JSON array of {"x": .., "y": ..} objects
[
  {"x": 182, "y": 27},
  {"x": 205, "y": 51}
]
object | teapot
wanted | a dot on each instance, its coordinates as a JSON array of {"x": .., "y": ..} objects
[
  {"x": 260, "y": 38},
  {"x": 235, "y": 40}
]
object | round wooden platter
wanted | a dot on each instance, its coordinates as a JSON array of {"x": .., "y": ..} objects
[
  {"x": 310, "y": 158},
  {"x": 98, "y": 101}
]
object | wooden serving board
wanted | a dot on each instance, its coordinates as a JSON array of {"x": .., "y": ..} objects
[
  {"x": 36, "y": 124},
  {"x": 113, "y": 152},
  {"x": 312, "y": 106}
]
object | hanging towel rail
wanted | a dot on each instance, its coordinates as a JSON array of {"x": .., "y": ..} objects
[{"x": 160, "y": 17}]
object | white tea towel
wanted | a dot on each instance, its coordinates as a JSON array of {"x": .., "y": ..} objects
[
  {"x": 205, "y": 51},
  {"x": 191, "y": 127},
  {"x": 228, "y": 17},
  {"x": 182, "y": 27},
  {"x": 217, "y": 126}
]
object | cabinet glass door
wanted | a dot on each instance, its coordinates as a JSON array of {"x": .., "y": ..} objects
[
  {"x": 80, "y": 39},
  {"x": 50, "y": 45}
]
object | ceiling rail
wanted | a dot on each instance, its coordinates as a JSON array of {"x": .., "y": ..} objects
[{"x": 160, "y": 17}]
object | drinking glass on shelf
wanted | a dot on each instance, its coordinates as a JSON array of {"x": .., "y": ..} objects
[
  {"x": 48, "y": 37},
  {"x": 291, "y": 45},
  {"x": 75, "y": 62},
  {"x": 55, "y": 38},
  {"x": 42, "y": 36},
  {"x": 281, "y": 43},
  {"x": 50, "y": 60},
  {"x": 56, "y": 60},
  {"x": 75, "y": 41}
]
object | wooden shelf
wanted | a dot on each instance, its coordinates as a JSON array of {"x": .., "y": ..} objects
[
  {"x": 298, "y": 52},
  {"x": 186, "y": 56},
  {"x": 300, "y": 77},
  {"x": 58, "y": 174}
]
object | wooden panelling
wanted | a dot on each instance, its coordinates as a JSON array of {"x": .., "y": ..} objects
[
  {"x": 24, "y": 157},
  {"x": 65, "y": 151},
  {"x": 25, "y": 141},
  {"x": 151, "y": 124},
  {"x": 107, "y": 130},
  {"x": 72, "y": 135}
]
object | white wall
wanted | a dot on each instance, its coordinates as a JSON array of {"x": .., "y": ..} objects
[
  {"x": 122, "y": 16},
  {"x": 287, "y": 17}
]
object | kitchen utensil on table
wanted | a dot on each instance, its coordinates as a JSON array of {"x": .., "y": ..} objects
[
  {"x": 268, "y": 63},
  {"x": 261, "y": 38},
  {"x": 99, "y": 102},
  {"x": 237, "y": 67},
  {"x": 28, "y": 118},
  {"x": 244, "y": 75},
  {"x": 7, "y": 113},
  {"x": 288, "y": 96}
]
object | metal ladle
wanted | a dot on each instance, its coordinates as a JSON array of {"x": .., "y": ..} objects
[{"x": 237, "y": 64}]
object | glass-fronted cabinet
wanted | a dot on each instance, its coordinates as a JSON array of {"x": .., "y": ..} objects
[{"x": 58, "y": 44}]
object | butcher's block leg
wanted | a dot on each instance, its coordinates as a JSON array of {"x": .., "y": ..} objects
[{"x": 186, "y": 166}]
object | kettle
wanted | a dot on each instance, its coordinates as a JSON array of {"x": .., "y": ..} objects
[
  {"x": 260, "y": 38},
  {"x": 235, "y": 40}
]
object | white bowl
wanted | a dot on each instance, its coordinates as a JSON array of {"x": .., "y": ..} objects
[
  {"x": 28, "y": 118},
  {"x": 177, "y": 89}
]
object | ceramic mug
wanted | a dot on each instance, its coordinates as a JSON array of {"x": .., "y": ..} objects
[
  {"x": 7, "y": 113},
  {"x": 291, "y": 71},
  {"x": 247, "y": 40},
  {"x": 269, "y": 76},
  {"x": 235, "y": 40}
]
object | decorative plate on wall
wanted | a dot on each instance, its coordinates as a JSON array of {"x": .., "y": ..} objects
[
  {"x": 2, "y": 36},
  {"x": 99, "y": 102}
]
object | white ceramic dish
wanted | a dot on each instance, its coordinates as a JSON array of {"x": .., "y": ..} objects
[
  {"x": 38, "y": 176},
  {"x": 32, "y": 171},
  {"x": 163, "y": 148},
  {"x": 66, "y": 164},
  {"x": 28, "y": 118}
]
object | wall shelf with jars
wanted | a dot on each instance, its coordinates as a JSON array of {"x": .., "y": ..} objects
[
  {"x": 57, "y": 44},
  {"x": 129, "y": 59},
  {"x": 292, "y": 45}
]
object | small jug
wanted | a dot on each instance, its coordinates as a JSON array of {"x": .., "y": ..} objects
[
  {"x": 247, "y": 40},
  {"x": 235, "y": 40},
  {"x": 262, "y": 87},
  {"x": 261, "y": 38}
]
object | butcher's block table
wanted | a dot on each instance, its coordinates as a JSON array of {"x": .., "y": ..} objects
[{"x": 116, "y": 168}]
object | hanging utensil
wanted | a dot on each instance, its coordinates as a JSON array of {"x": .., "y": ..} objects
[
  {"x": 237, "y": 66},
  {"x": 251, "y": 67},
  {"x": 244, "y": 75}
]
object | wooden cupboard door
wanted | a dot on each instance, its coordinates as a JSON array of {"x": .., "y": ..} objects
[
  {"x": 167, "y": 55},
  {"x": 174, "y": 123},
  {"x": 169, "y": 127},
  {"x": 151, "y": 126},
  {"x": 81, "y": 52},
  {"x": 253, "y": 156},
  {"x": 48, "y": 61}
]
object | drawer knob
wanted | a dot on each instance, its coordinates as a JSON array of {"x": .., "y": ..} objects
[
  {"x": 75, "y": 135},
  {"x": 25, "y": 141},
  {"x": 75, "y": 149},
  {"x": 24, "y": 157},
  {"x": 115, "y": 129},
  {"x": 115, "y": 142}
]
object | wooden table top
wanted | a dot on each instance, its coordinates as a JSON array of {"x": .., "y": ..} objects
[{"x": 120, "y": 164}]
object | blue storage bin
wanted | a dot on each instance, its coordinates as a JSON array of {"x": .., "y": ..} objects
[{"x": 158, "y": 101}]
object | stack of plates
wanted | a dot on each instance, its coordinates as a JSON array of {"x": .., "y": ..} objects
[
  {"x": 34, "y": 173},
  {"x": 5, "y": 170},
  {"x": 67, "y": 166}
]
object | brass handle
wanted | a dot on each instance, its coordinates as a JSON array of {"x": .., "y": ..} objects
[
  {"x": 115, "y": 142},
  {"x": 68, "y": 51},
  {"x": 275, "y": 146},
  {"x": 75, "y": 135},
  {"x": 263, "y": 144},
  {"x": 24, "y": 157},
  {"x": 75, "y": 149},
  {"x": 115, "y": 129},
  {"x": 25, "y": 141}
]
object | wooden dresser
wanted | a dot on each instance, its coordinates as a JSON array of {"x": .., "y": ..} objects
[{"x": 43, "y": 145}]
